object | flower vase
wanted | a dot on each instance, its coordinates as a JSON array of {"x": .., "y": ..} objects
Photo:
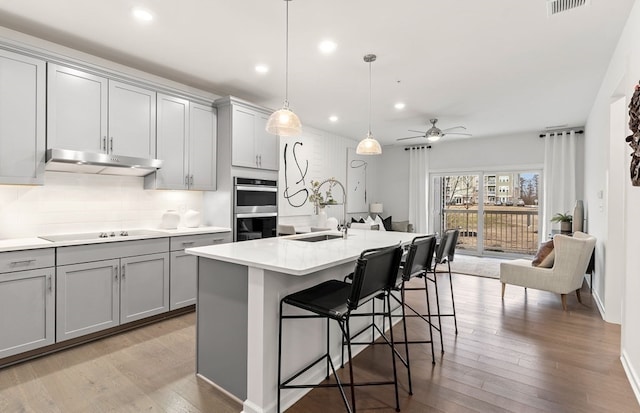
[{"x": 322, "y": 217}]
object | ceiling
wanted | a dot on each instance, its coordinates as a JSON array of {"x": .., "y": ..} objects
[{"x": 498, "y": 67}]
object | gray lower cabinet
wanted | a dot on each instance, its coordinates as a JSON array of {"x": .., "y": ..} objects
[
  {"x": 122, "y": 282},
  {"x": 27, "y": 297},
  {"x": 184, "y": 267}
]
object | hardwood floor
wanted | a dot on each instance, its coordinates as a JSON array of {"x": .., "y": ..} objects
[{"x": 523, "y": 355}]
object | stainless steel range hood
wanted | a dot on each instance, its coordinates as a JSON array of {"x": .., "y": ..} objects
[{"x": 64, "y": 160}]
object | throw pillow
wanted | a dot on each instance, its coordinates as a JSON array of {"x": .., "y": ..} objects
[
  {"x": 549, "y": 260},
  {"x": 545, "y": 249},
  {"x": 369, "y": 220},
  {"x": 380, "y": 223},
  {"x": 400, "y": 226},
  {"x": 387, "y": 223}
]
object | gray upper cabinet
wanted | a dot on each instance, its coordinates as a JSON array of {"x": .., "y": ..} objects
[
  {"x": 172, "y": 140},
  {"x": 22, "y": 119},
  {"x": 132, "y": 120},
  {"x": 76, "y": 110},
  {"x": 251, "y": 145},
  {"x": 186, "y": 142},
  {"x": 86, "y": 112},
  {"x": 202, "y": 147}
]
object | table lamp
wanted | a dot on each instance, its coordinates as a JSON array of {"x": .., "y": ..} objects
[{"x": 375, "y": 208}]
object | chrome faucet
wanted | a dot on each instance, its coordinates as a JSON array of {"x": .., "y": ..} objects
[{"x": 344, "y": 226}]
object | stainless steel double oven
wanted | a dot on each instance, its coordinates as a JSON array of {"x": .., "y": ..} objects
[{"x": 255, "y": 208}]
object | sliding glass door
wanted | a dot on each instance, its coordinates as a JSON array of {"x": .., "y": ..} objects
[{"x": 496, "y": 212}]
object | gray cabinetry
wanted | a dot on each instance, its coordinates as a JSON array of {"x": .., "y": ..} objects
[
  {"x": 184, "y": 267},
  {"x": 22, "y": 119},
  {"x": 87, "y": 112},
  {"x": 27, "y": 297},
  {"x": 251, "y": 145},
  {"x": 186, "y": 142},
  {"x": 104, "y": 285},
  {"x": 88, "y": 298},
  {"x": 132, "y": 120}
]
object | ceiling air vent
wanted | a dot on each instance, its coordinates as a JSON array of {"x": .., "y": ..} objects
[{"x": 558, "y": 6}]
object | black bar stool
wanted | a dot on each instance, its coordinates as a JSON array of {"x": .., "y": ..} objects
[
  {"x": 375, "y": 272},
  {"x": 444, "y": 255}
]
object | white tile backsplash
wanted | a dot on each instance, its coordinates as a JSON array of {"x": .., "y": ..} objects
[{"x": 71, "y": 202}]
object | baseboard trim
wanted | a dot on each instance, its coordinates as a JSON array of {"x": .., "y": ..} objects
[
  {"x": 599, "y": 304},
  {"x": 632, "y": 375}
]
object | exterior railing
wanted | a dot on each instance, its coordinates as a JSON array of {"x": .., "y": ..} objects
[{"x": 508, "y": 229}]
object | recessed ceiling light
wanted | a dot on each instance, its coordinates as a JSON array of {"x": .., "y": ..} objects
[
  {"x": 142, "y": 14},
  {"x": 399, "y": 105},
  {"x": 262, "y": 68},
  {"x": 333, "y": 118},
  {"x": 327, "y": 46}
]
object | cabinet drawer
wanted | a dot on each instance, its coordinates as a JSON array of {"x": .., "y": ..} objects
[
  {"x": 110, "y": 250},
  {"x": 192, "y": 241},
  {"x": 26, "y": 260}
]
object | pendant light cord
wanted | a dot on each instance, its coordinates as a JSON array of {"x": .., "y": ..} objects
[
  {"x": 286, "y": 67},
  {"x": 369, "y": 100}
]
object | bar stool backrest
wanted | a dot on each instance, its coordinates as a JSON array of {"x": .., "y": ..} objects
[
  {"x": 440, "y": 253},
  {"x": 376, "y": 270},
  {"x": 451, "y": 245},
  {"x": 419, "y": 256}
]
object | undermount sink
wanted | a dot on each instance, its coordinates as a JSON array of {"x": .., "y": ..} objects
[{"x": 316, "y": 238}]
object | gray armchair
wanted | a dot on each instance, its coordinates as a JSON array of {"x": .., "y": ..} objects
[{"x": 572, "y": 255}]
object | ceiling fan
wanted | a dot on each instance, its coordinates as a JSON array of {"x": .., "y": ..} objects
[{"x": 434, "y": 133}]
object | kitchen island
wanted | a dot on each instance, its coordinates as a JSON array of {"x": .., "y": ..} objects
[{"x": 239, "y": 289}]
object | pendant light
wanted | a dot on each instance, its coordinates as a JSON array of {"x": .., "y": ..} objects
[
  {"x": 284, "y": 122},
  {"x": 369, "y": 146}
]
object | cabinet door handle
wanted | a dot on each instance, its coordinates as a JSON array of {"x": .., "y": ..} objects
[
  {"x": 111, "y": 145},
  {"x": 26, "y": 262},
  {"x": 123, "y": 272},
  {"x": 186, "y": 180},
  {"x": 191, "y": 181},
  {"x": 49, "y": 286},
  {"x": 257, "y": 160},
  {"x": 115, "y": 272},
  {"x": 260, "y": 158},
  {"x": 187, "y": 243},
  {"x": 104, "y": 143}
]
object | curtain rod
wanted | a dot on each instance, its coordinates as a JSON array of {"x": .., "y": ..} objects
[
  {"x": 579, "y": 132},
  {"x": 408, "y": 148}
]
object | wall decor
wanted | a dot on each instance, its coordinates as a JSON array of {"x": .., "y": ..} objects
[
  {"x": 634, "y": 139},
  {"x": 312, "y": 156},
  {"x": 357, "y": 200}
]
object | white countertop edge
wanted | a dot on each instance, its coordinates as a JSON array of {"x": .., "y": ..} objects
[
  {"x": 285, "y": 270},
  {"x": 31, "y": 243}
]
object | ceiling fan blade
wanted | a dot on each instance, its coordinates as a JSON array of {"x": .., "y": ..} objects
[
  {"x": 455, "y": 127},
  {"x": 457, "y": 133},
  {"x": 410, "y": 137},
  {"x": 417, "y": 131}
]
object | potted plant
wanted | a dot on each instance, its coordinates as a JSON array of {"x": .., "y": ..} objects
[{"x": 564, "y": 220}]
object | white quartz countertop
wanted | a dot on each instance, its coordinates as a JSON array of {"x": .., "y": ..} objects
[
  {"x": 17, "y": 244},
  {"x": 291, "y": 256}
]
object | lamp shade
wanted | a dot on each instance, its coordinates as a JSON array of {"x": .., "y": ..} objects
[
  {"x": 375, "y": 208},
  {"x": 284, "y": 122},
  {"x": 369, "y": 146}
]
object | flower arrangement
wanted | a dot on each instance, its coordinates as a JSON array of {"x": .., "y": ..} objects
[{"x": 319, "y": 199}]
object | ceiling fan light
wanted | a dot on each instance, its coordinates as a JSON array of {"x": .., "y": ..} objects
[
  {"x": 434, "y": 138},
  {"x": 284, "y": 122},
  {"x": 369, "y": 146}
]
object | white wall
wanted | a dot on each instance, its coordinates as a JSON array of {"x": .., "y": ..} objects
[
  {"x": 621, "y": 77},
  {"x": 69, "y": 203}
]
